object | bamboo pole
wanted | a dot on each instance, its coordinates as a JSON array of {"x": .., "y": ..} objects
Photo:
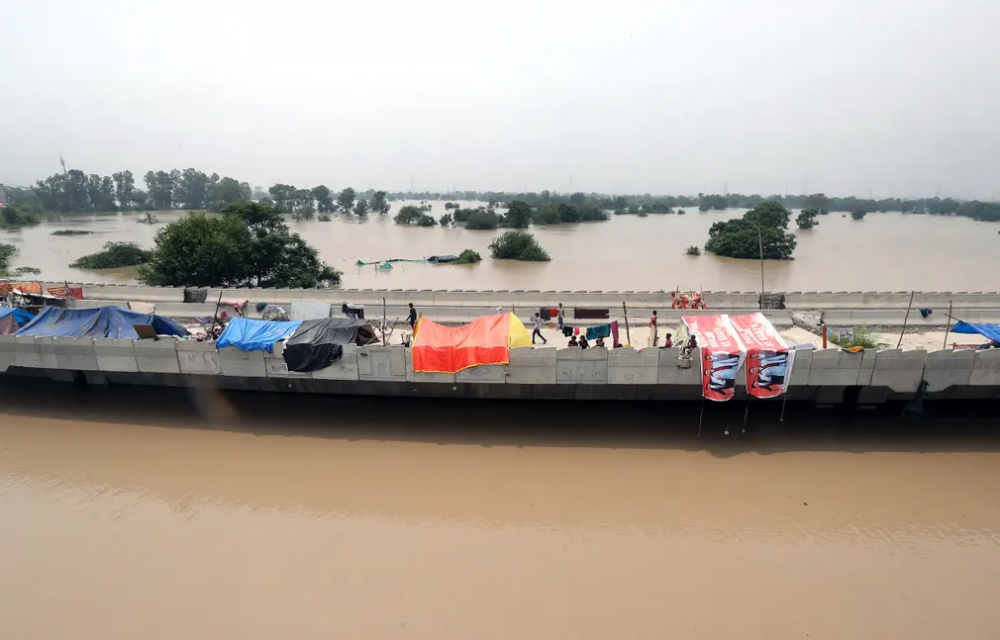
[
  {"x": 905, "y": 320},
  {"x": 628, "y": 334},
  {"x": 948, "y": 327}
]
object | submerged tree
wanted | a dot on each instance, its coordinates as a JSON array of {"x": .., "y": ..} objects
[
  {"x": 759, "y": 233},
  {"x": 807, "y": 218},
  {"x": 249, "y": 245}
]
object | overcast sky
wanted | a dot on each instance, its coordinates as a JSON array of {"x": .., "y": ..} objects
[{"x": 664, "y": 96}]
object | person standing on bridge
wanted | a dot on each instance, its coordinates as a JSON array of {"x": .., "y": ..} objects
[{"x": 413, "y": 317}]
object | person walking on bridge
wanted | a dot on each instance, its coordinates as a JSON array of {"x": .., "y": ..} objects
[
  {"x": 413, "y": 317},
  {"x": 537, "y": 318}
]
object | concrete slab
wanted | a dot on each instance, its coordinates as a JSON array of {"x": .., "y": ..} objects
[
  {"x": 199, "y": 358},
  {"x": 486, "y": 374},
  {"x": 532, "y": 366},
  {"x": 115, "y": 355},
  {"x": 242, "y": 364},
  {"x": 26, "y": 352},
  {"x": 630, "y": 366},
  {"x": 75, "y": 354},
  {"x": 382, "y": 363},
  {"x": 801, "y": 364},
  {"x": 346, "y": 368},
  {"x": 8, "y": 353},
  {"x": 835, "y": 368},
  {"x": 948, "y": 368},
  {"x": 47, "y": 352},
  {"x": 156, "y": 356},
  {"x": 899, "y": 370},
  {"x": 668, "y": 373},
  {"x": 582, "y": 366},
  {"x": 986, "y": 369}
]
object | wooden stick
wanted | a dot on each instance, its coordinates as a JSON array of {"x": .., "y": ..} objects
[
  {"x": 384, "y": 343},
  {"x": 628, "y": 334},
  {"x": 215, "y": 316},
  {"x": 905, "y": 320},
  {"x": 948, "y": 328}
]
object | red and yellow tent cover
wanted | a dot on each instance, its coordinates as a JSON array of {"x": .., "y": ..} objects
[{"x": 485, "y": 340}]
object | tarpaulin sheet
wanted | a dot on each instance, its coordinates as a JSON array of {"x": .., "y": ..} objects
[
  {"x": 24, "y": 287},
  {"x": 255, "y": 335},
  {"x": 11, "y": 318},
  {"x": 317, "y": 343},
  {"x": 722, "y": 353},
  {"x": 104, "y": 322},
  {"x": 991, "y": 331},
  {"x": 769, "y": 362},
  {"x": 485, "y": 340}
]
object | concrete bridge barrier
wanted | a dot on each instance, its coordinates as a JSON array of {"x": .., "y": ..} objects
[
  {"x": 8, "y": 352},
  {"x": 532, "y": 366},
  {"x": 245, "y": 364},
  {"x": 156, "y": 356},
  {"x": 376, "y": 363},
  {"x": 986, "y": 369},
  {"x": 276, "y": 367},
  {"x": 75, "y": 354},
  {"x": 346, "y": 368},
  {"x": 115, "y": 355},
  {"x": 834, "y": 368},
  {"x": 948, "y": 368},
  {"x": 198, "y": 358},
  {"x": 631, "y": 366},
  {"x": 582, "y": 366},
  {"x": 901, "y": 371},
  {"x": 27, "y": 353}
]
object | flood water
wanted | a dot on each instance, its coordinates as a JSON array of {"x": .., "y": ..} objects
[
  {"x": 886, "y": 252},
  {"x": 154, "y": 514}
]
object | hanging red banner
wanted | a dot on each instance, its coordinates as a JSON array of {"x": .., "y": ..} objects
[
  {"x": 722, "y": 354},
  {"x": 769, "y": 364}
]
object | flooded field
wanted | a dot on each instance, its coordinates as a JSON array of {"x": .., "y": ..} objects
[
  {"x": 158, "y": 514},
  {"x": 882, "y": 252}
]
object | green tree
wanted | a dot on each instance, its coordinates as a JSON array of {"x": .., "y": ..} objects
[
  {"x": 517, "y": 245},
  {"x": 361, "y": 208},
  {"x": 480, "y": 219},
  {"x": 760, "y": 230},
  {"x": 346, "y": 200},
  {"x": 193, "y": 189},
  {"x": 413, "y": 215},
  {"x": 160, "y": 186},
  {"x": 446, "y": 220},
  {"x": 569, "y": 213},
  {"x": 248, "y": 245},
  {"x": 518, "y": 215},
  {"x": 546, "y": 214},
  {"x": 858, "y": 214},
  {"x": 379, "y": 203},
  {"x": 18, "y": 215},
  {"x": 7, "y": 253},
  {"x": 324, "y": 198},
  {"x": 124, "y": 188},
  {"x": 303, "y": 204},
  {"x": 807, "y": 218},
  {"x": 114, "y": 255},
  {"x": 283, "y": 196},
  {"x": 226, "y": 192}
]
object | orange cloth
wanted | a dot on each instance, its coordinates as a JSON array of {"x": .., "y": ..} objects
[{"x": 441, "y": 349}]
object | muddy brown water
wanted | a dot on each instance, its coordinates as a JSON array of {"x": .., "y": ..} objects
[
  {"x": 885, "y": 252},
  {"x": 157, "y": 514}
]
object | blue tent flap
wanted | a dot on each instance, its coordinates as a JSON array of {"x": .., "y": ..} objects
[
  {"x": 104, "y": 322},
  {"x": 20, "y": 315},
  {"x": 990, "y": 330},
  {"x": 255, "y": 335}
]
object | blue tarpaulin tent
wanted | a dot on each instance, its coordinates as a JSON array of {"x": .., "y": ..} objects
[
  {"x": 255, "y": 335},
  {"x": 991, "y": 331},
  {"x": 105, "y": 322},
  {"x": 20, "y": 315}
]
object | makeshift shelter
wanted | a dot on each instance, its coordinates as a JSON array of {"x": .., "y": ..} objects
[
  {"x": 985, "y": 329},
  {"x": 769, "y": 361},
  {"x": 12, "y": 318},
  {"x": 485, "y": 340},
  {"x": 317, "y": 343},
  {"x": 255, "y": 335},
  {"x": 103, "y": 322},
  {"x": 722, "y": 353}
]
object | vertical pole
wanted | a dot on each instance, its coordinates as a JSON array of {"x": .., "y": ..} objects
[
  {"x": 384, "y": 325},
  {"x": 215, "y": 316},
  {"x": 628, "y": 334},
  {"x": 948, "y": 328},
  {"x": 760, "y": 246},
  {"x": 905, "y": 320}
]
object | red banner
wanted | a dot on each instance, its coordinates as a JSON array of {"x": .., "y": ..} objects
[
  {"x": 67, "y": 292},
  {"x": 768, "y": 362},
  {"x": 721, "y": 355}
]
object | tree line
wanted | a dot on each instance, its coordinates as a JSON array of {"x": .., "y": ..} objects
[
  {"x": 76, "y": 191},
  {"x": 648, "y": 203}
]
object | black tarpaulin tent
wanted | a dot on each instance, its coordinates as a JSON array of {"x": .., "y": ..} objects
[{"x": 317, "y": 343}]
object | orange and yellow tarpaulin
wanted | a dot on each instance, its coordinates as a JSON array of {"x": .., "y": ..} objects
[{"x": 486, "y": 340}]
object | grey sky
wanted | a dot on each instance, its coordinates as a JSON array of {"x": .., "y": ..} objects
[{"x": 847, "y": 96}]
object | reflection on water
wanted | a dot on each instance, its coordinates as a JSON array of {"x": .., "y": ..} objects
[
  {"x": 881, "y": 252},
  {"x": 161, "y": 513}
]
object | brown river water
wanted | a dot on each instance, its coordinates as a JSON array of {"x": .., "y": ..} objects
[
  {"x": 155, "y": 514},
  {"x": 884, "y": 252}
]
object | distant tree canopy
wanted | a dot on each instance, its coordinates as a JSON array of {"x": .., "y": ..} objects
[
  {"x": 21, "y": 215},
  {"x": 114, "y": 255},
  {"x": 761, "y": 231},
  {"x": 517, "y": 245},
  {"x": 859, "y": 214},
  {"x": 807, "y": 218},
  {"x": 7, "y": 253},
  {"x": 415, "y": 216},
  {"x": 249, "y": 245}
]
